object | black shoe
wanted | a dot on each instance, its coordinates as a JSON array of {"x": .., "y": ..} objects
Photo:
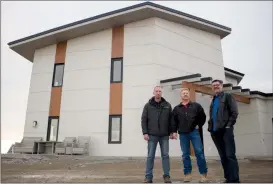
[{"x": 167, "y": 179}]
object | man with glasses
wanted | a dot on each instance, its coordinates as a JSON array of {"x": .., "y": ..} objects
[{"x": 223, "y": 115}]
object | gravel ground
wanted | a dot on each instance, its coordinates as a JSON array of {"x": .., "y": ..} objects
[{"x": 52, "y": 169}]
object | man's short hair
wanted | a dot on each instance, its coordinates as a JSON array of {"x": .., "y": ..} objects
[
  {"x": 157, "y": 87},
  {"x": 183, "y": 89},
  {"x": 217, "y": 80}
]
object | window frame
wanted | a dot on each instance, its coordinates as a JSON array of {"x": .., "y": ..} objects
[
  {"x": 110, "y": 129},
  {"x": 54, "y": 72},
  {"x": 112, "y": 70},
  {"x": 49, "y": 126}
]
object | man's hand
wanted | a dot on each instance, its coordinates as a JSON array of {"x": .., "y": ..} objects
[
  {"x": 174, "y": 136},
  {"x": 146, "y": 137}
]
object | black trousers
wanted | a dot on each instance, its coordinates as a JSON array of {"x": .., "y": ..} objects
[{"x": 225, "y": 144}]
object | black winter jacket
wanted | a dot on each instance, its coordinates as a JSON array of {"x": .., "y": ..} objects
[
  {"x": 156, "y": 118},
  {"x": 186, "y": 119},
  {"x": 227, "y": 112}
]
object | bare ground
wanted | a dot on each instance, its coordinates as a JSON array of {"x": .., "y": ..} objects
[{"x": 52, "y": 169}]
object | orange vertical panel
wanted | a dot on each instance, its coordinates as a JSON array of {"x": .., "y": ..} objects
[{"x": 117, "y": 41}]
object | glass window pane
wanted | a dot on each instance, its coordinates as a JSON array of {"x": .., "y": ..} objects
[
  {"x": 53, "y": 130},
  {"x": 115, "y": 129},
  {"x": 58, "y": 78},
  {"x": 117, "y": 71}
]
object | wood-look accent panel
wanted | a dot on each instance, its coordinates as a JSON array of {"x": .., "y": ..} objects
[
  {"x": 207, "y": 90},
  {"x": 115, "y": 99},
  {"x": 117, "y": 41},
  {"x": 60, "y": 52},
  {"x": 55, "y": 101}
]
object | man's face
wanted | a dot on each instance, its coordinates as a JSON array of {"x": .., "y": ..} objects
[
  {"x": 217, "y": 87},
  {"x": 157, "y": 92},
  {"x": 185, "y": 95}
]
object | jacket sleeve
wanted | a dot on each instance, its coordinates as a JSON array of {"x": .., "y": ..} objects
[
  {"x": 144, "y": 120},
  {"x": 174, "y": 121},
  {"x": 201, "y": 116},
  {"x": 233, "y": 109},
  {"x": 171, "y": 121}
]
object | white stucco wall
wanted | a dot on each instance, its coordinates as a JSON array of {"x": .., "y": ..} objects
[
  {"x": 39, "y": 92},
  {"x": 253, "y": 132},
  {"x": 86, "y": 87},
  {"x": 182, "y": 50}
]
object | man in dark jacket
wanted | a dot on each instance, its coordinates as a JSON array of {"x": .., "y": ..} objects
[
  {"x": 188, "y": 117},
  {"x": 223, "y": 115},
  {"x": 156, "y": 127}
]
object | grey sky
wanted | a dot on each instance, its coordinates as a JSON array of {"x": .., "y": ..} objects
[{"x": 248, "y": 49}]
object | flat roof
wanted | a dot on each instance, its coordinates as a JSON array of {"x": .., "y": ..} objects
[{"x": 26, "y": 46}]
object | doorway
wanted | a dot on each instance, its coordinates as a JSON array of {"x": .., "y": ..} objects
[{"x": 52, "y": 128}]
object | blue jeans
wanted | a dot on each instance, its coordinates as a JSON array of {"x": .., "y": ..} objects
[
  {"x": 195, "y": 138},
  {"x": 164, "y": 147}
]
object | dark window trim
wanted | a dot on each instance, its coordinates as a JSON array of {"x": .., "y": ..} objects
[
  {"x": 53, "y": 78},
  {"x": 110, "y": 130},
  {"x": 48, "y": 126},
  {"x": 112, "y": 70}
]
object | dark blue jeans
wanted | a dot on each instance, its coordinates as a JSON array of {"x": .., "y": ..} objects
[
  {"x": 164, "y": 147},
  {"x": 195, "y": 138},
  {"x": 225, "y": 144}
]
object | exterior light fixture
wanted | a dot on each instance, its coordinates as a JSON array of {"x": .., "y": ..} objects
[{"x": 34, "y": 124}]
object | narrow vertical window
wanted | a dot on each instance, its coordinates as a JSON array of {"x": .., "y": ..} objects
[
  {"x": 58, "y": 75},
  {"x": 52, "y": 129},
  {"x": 116, "y": 70},
  {"x": 114, "y": 134}
]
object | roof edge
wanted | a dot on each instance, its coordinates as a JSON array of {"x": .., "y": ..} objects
[
  {"x": 233, "y": 71},
  {"x": 115, "y": 12}
]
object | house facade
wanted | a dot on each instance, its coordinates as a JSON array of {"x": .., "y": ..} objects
[{"x": 93, "y": 78}]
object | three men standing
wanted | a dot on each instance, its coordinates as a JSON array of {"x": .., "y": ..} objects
[{"x": 159, "y": 122}]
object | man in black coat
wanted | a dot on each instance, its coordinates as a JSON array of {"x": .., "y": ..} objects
[
  {"x": 188, "y": 118},
  {"x": 156, "y": 128},
  {"x": 223, "y": 115}
]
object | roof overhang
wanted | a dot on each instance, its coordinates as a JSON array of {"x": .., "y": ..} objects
[
  {"x": 27, "y": 46},
  {"x": 234, "y": 74}
]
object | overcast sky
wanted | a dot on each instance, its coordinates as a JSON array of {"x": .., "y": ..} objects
[{"x": 248, "y": 49}]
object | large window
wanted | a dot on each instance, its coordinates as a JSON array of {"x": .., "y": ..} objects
[
  {"x": 52, "y": 129},
  {"x": 58, "y": 75},
  {"x": 114, "y": 134},
  {"x": 116, "y": 70}
]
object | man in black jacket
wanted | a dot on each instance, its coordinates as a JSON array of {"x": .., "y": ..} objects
[
  {"x": 223, "y": 115},
  {"x": 156, "y": 127},
  {"x": 188, "y": 117}
]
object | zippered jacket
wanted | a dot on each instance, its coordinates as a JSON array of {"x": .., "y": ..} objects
[
  {"x": 157, "y": 118},
  {"x": 187, "y": 117}
]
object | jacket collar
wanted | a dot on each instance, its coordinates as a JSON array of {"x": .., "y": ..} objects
[
  {"x": 190, "y": 103},
  {"x": 220, "y": 95},
  {"x": 154, "y": 103}
]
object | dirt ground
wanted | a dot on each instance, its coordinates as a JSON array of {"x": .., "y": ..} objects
[{"x": 52, "y": 169}]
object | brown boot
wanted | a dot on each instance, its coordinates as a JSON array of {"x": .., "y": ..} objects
[
  {"x": 146, "y": 180},
  {"x": 167, "y": 179},
  {"x": 203, "y": 178},
  {"x": 187, "y": 178}
]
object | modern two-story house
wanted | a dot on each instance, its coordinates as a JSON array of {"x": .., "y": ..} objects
[{"x": 94, "y": 76}]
